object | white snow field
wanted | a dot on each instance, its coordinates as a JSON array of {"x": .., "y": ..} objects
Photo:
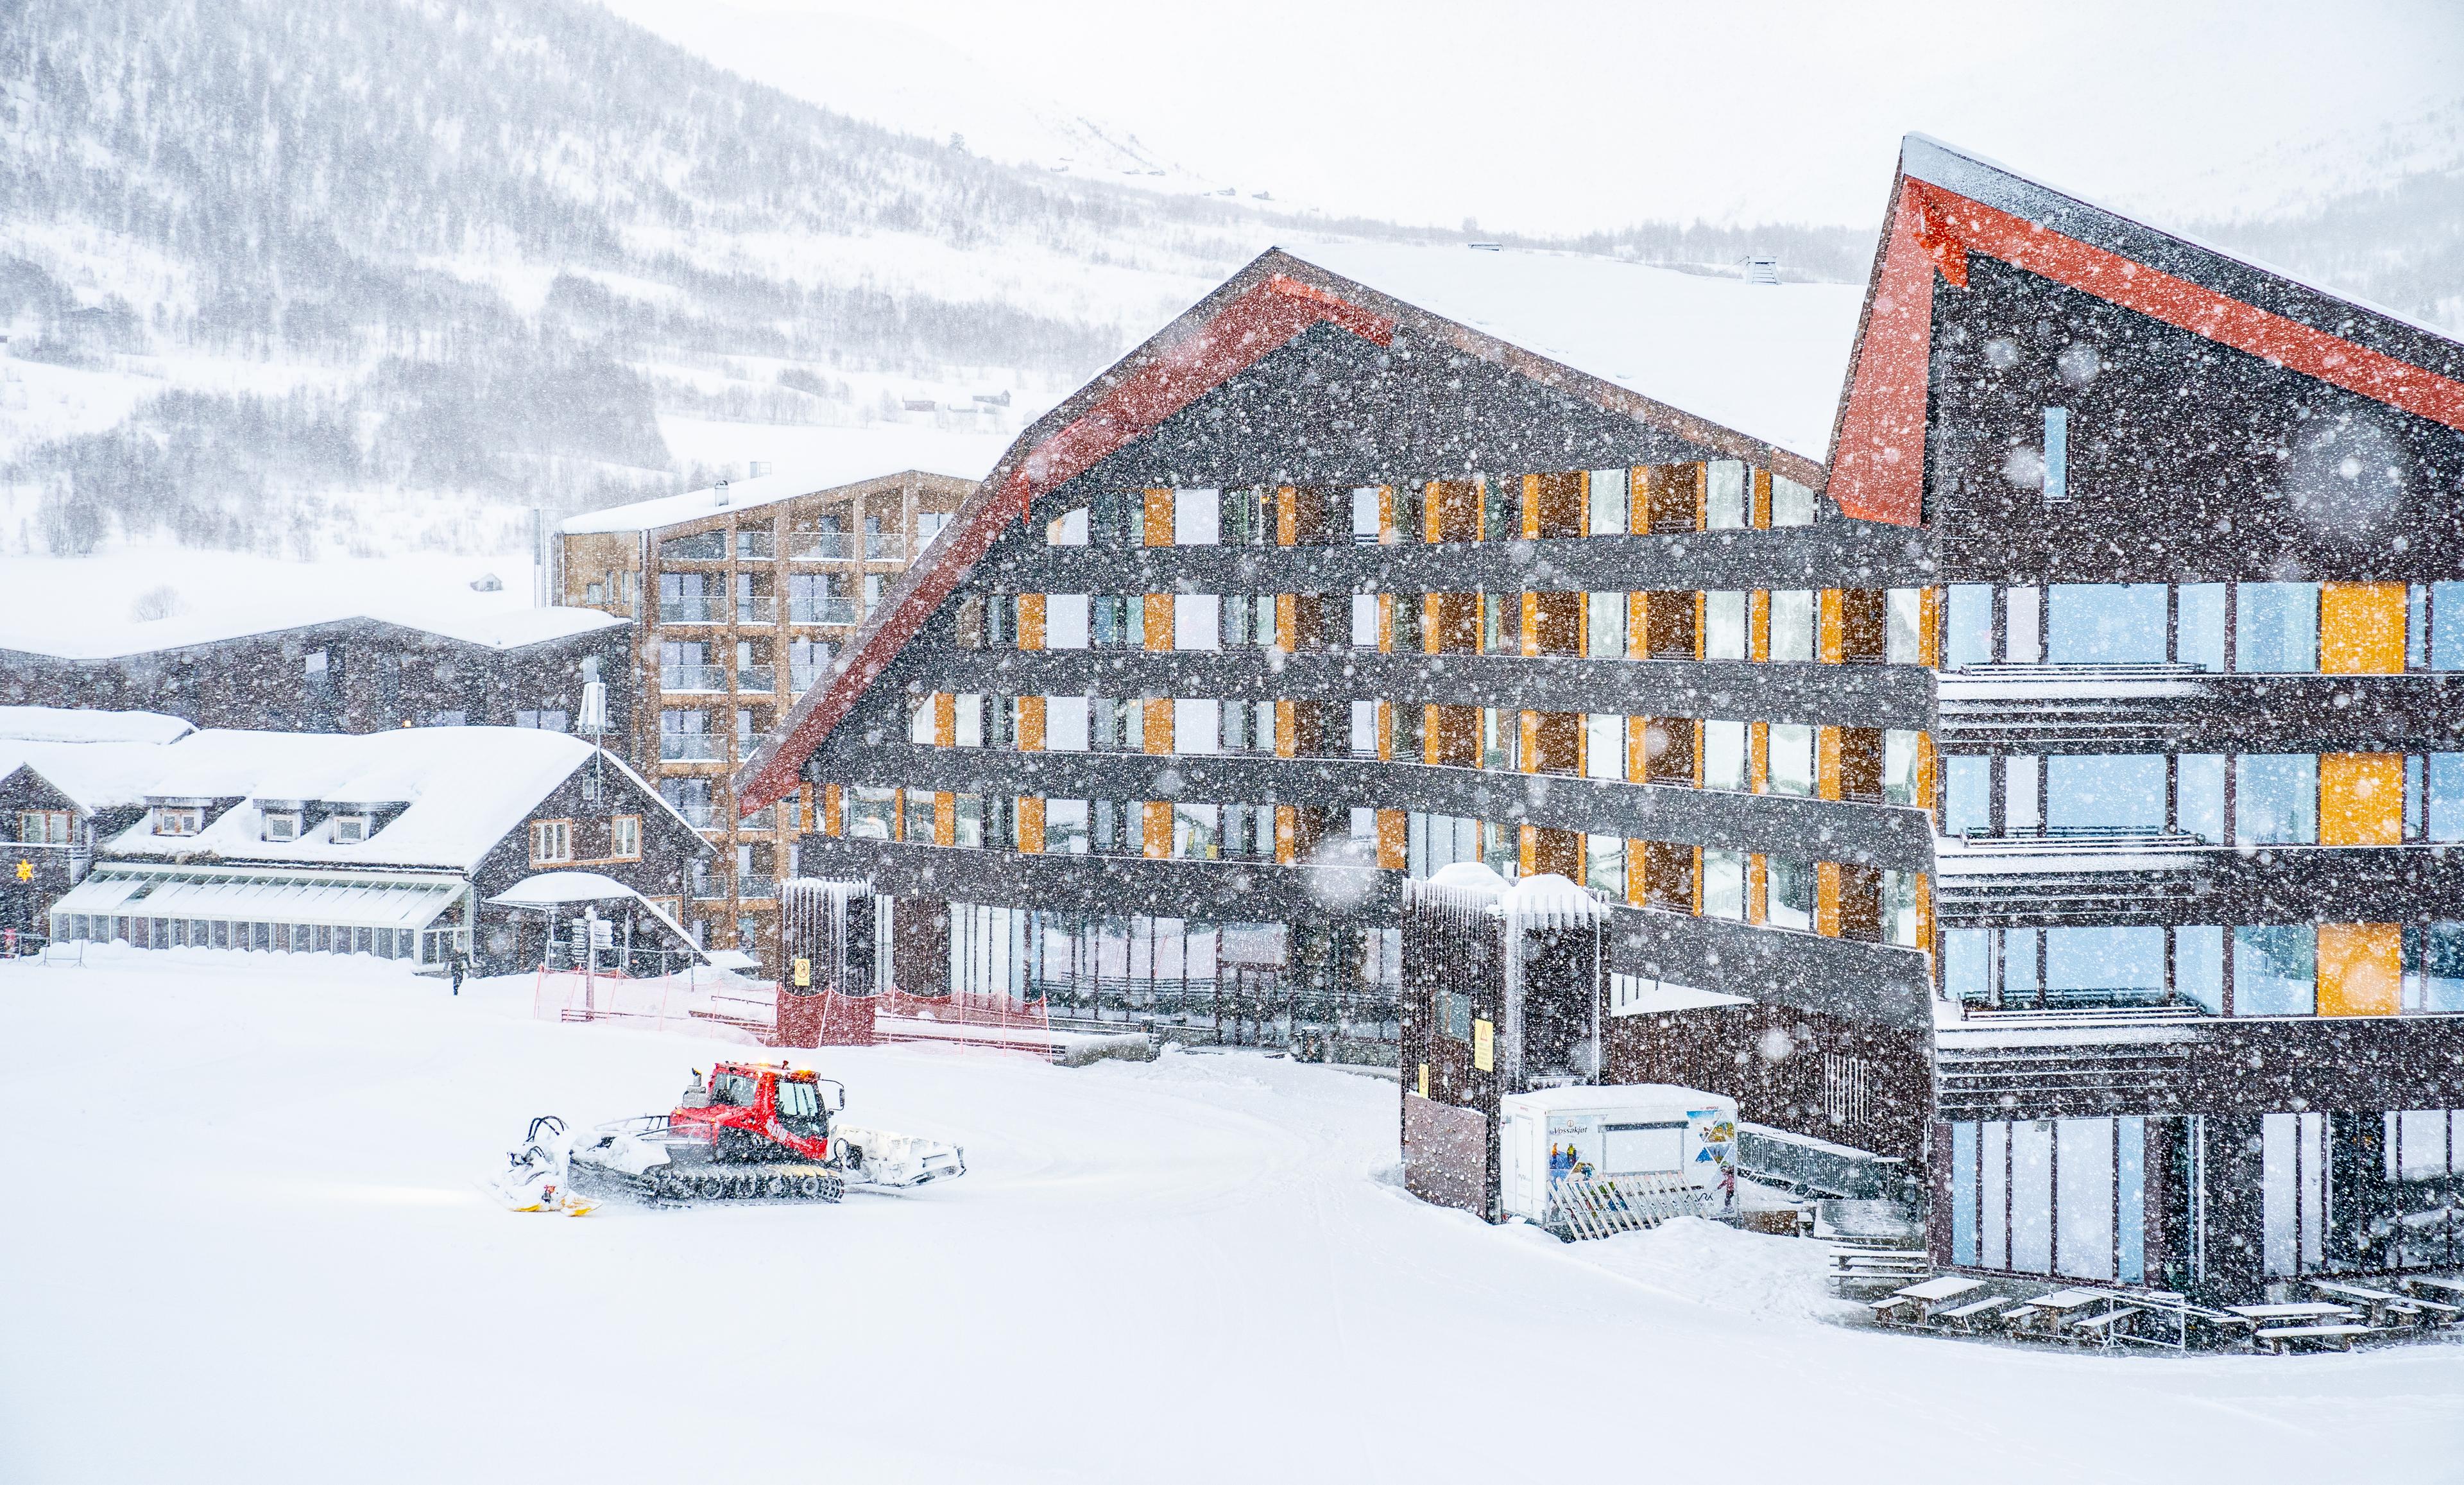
[{"x": 241, "y": 1241}]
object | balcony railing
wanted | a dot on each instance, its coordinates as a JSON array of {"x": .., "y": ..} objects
[
  {"x": 701, "y": 817},
  {"x": 884, "y": 546},
  {"x": 691, "y": 747},
  {"x": 762, "y": 609},
  {"x": 823, "y": 547},
  {"x": 821, "y": 611},
  {"x": 753, "y": 888},
  {"x": 755, "y": 546},
  {"x": 757, "y": 678},
  {"x": 693, "y": 677},
  {"x": 692, "y": 608},
  {"x": 802, "y": 678}
]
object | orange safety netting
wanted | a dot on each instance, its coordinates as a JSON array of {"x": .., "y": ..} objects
[
  {"x": 994, "y": 1023},
  {"x": 695, "y": 1001}
]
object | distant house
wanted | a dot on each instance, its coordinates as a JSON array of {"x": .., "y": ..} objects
[
  {"x": 353, "y": 672},
  {"x": 391, "y": 844},
  {"x": 65, "y": 777}
]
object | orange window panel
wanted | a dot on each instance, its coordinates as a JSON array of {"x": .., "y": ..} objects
[
  {"x": 1155, "y": 828},
  {"x": 1031, "y": 824},
  {"x": 1394, "y": 840},
  {"x": 2360, "y": 799},
  {"x": 945, "y": 819},
  {"x": 1158, "y": 728},
  {"x": 1030, "y": 724},
  {"x": 1826, "y": 899},
  {"x": 1157, "y": 619},
  {"x": 2361, "y": 627},
  {"x": 1159, "y": 519},
  {"x": 2361, "y": 969},
  {"x": 830, "y": 810},
  {"x": 945, "y": 719},
  {"x": 1287, "y": 623},
  {"x": 1030, "y": 621}
]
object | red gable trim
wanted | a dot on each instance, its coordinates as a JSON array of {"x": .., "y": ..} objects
[
  {"x": 1878, "y": 459},
  {"x": 2189, "y": 306},
  {"x": 1262, "y": 320}
]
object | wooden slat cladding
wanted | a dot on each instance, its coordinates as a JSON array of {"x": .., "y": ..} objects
[
  {"x": 1451, "y": 512},
  {"x": 1549, "y": 850},
  {"x": 1671, "y": 625},
  {"x": 1555, "y": 741},
  {"x": 1672, "y": 499},
  {"x": 1770, "y": 1060},
  {"x": 1554, "y": 623},
  {"x": 1863, "y": 625},
  {"x": 1454, "y": 736},
  {"x": 1452, "y": 623},
  {"x": 1554, "y": 504}
]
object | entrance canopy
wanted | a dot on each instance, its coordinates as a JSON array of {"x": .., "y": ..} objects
[{"x": 550, "y": 892}]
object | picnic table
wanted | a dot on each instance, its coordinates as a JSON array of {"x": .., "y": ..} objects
[
  {"x": 2276, "y": 1337},
  {"x": 2380, "y": 1303},
  {"x": 2314, "y": 1311},
  {"x": 2055, "y": 1309},
  {"x": 1925, "y": 1295},
  {"x": 2434, "y": 1281}
]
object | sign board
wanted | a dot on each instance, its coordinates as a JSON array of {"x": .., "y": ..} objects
[
  {"x": 1484, "y": 1045},
  {"x": 804, "y": 975}
]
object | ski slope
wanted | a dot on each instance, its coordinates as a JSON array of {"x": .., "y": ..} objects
[{"x": 242, "y": 1242}]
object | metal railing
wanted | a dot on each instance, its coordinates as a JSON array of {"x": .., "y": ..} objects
[
  {"x": 756, "y": 889},
  {"x": 802, "y": 678},
  {"x": 884, "y": 546},
  {"x": 761, "y": 608},
  {"x": 821, "y": 611},
  {"x": 822, "y": 547},
  {"x": 701, "y": 817},
  {"x": 757, "y": 678},
  {"x": 692, "y": 608},
  {"x": 693, "y": 677},
  {"x": 690, "y": 747},
  {"x": 755, "y": 546}
]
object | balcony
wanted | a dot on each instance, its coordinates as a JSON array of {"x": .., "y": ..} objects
[
  {"x": 693, "y": 677},
  {"x": 823, "y": 547},
  {"x": 755, "y": 546},
  {"x": 701, "y": 817},
  {"x": 821, "y": 611},
  {"x": 756, "y": 889},
  {"x": 691, "y": 747},
  {"x": 692, "y": 608},
  {"x": 802, "y": 678},
  {"x": 760, "y": 609},
  {"x": 884, "y": 546},
  {"x": 763, "y": 678}
]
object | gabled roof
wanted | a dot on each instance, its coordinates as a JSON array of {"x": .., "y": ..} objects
[
  {"x": 78, "y": 724},
  {"x": 1947, "y": 204},
  {"x": 1475, "y": 301},
  {"x": 93, "y": 776}
]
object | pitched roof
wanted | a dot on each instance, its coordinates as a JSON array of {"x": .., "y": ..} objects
[
  {"x": 93, "y": 776},
  {"x": 78, "y": 725},
  {"x": 1947, "y": 204},
  {"x": 819, "y": 478},
  {"x": 1370, "y": 292}
]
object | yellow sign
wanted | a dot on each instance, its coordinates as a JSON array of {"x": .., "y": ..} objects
[
  {"x": 1424, "y": 1079},
  {"x": 804, "y": 973},
  {"x": 1483, "y": 1047},
  {"x": 25, "y": 870}
]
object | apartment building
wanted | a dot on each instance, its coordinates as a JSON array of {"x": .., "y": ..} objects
[{"x": 741, "y": 597}]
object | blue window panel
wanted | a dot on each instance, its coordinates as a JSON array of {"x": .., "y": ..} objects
[
  {"x": 2275, "y": 970},
  {"x": 2104, "y": 623},
  {"x": 2106, "y": 792},
  {"x": 2447, "y": 626},
  {"x": 2104, "y": 966},
  {"x": 2275, "y": 799},
  {"x": 1966, "y": 796},
  {"x": 2130, "y": 1209},
  {"x": 2276, "y": 628},
  {"x": 2199, "y": 626},
  {"x": 2019, "y": 965},
  {"x": 1966, "y": 964},
  {"x": 1963, "y": 1192},
  {"x": 2444, "y": 802},
  {"x": 2433, "y": 968},
  {"x": 2199, "y": 796},
  {"x": 1968, "y": 626},
  {"x": 2057, "y": 454},
  {"x": 2199, "y": 966}
]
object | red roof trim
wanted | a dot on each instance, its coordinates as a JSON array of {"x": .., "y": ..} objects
[
  {"x": 1878, "y": 456},
  {"x": 1261, "y": 320},
  {"x": 2189, "y": 306}
]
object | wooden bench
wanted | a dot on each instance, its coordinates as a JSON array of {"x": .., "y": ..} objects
[
  {"x": 2101, "y": 1328},
  {"x": 2276, "y": 1337},
  {"x": 1971, "y": 1315}
]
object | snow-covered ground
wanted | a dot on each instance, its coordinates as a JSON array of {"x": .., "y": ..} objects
[{"x": 241, "y": 1241}]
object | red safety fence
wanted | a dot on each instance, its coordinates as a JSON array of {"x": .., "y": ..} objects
[
  {"x": 970, "y": 1023},
  {"x": 703, "y": 1004},
  {"x": 696, "y": 1001}
]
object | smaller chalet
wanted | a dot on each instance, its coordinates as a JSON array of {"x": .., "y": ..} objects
[
  {"x": 64, "y": 775},
  {"x": 394, "y": 844}
]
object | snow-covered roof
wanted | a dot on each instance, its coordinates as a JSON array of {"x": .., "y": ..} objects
[
  {"x": 564, "y": 889},
  {"x": 94, "y": 776},
  {"x": 1550, "y": 900},
  {"x": 1763, "y": 359},
  {"x": 261, "y": 610},
  {"x": 463, "y": 790},
  {"x": 818, "y": 478},
  {"x": 1619, "y": 1097},
  {"x": 222, "y": 892},
  {"x": 77, "y": 725}
]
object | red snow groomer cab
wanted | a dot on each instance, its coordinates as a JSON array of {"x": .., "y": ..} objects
[{"x": 755, "y": 1129}]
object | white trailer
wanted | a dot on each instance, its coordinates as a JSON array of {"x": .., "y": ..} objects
[{"x": 1627, "y": 1137}]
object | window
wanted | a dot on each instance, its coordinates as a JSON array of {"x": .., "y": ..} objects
[
  {"x": 1724, "y": 883},
  {"x": 2276, "y": 628},
  {"x": 1603, "y": 745},
  {"x": 928, "y": 526},
  {"x": 1968, "y": 626},
  {"x": 1792, "y": 624},
  {"x": 1724, "y": 625},
  {"x": 1608, "y": 491},
  {"x": 540, "y": 720},
  {"x": 281, "y": 824},
  {"x": 2057, "y": 454},
  {"x": 1064, "y": 724},
  {"x": 1196, "y": 832},
  {"x": 551, "y": 840},
  {"x": 2023, "y": 636},
  {"x": 1198, "y": 620},
  {"x": 2104, "y": 966},
  {"x": 1792, "y": 504},
  {"x": 1198, "y": 517},
  {"x": 1724, "y": 755},
  {"x": 1724, "y": 503},
  {"x": 350, "y": 829},
  {"x": 869, "y": 811},
  {"x": 2104, "y": 623},
  {"x": 43, "y": 826},
  {"x": 1065, "y": 827},
  {"x": 178, "y": 819},
  {"x": 1790, "y": 896},
  {"x": 1248, "y": 727},
  {"x": 2106, "y": 792},
  {"x": 625, "y": 837},
  {"x": 1900, "y": 767},
  {"x": 2199, "y": 626},
  {"x": 2275, "y": 799},
  {"x": 1604, "y": 626},
  {"x": 1792, "y": 758},
  {"x": 2275, "y": 970},
  {"x": 1966, "y": 796},
  {"x": 2433, "y": 968},
  {"x": 919, "y": 821},
  {"x": 969, "y": 820}
]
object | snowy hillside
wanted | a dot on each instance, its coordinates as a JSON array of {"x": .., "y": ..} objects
[{"x": 258, "y": 1250}]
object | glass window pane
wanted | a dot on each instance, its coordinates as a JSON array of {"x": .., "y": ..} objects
[
  {"x": 2276, "y": 628},
  {"x": 2275, "y": 799},
  {"x": 1603, "y": 745},
  {"x": 2022, "y": 624},
  {"x": 1902, "y": 611},
  {"x": 1789, "y": 896},
  {"x": 1963, "y": 1192},
  {"x": 1967, "y": 796},
  {"x": 1792, "y": 624},
  {"x": 2444, "y": 795},
  {"x": 2106, "y": 792},
  {"x": 2275, "y": 970},
  {"x": 2104, "y": 623},
  {"x": 2199, "y": 619},
  {"x": 1724, "y": 755},
  {"x": 2199, "y": 966},
  {"x": 1608, "y": 501},
  {"x": 2104, "y": 966},
  {"x": 1792, "y": 758},
  {"x": 2433, "y": 968},
  {"x": 1724, "y": 625},
  {"x": 1604, "y": 625},
  {"x": 1724, "y": 883},
  {"x": 2199, "y": 796},
  {"x": 1724, "y": 503},
  {"x": 1968, "y": 626},
  {"x": 2083, "y": 1198},
  {"x": 1792, "y": 504},
  {"x": 2447, "y": 626},
  {"x": 1604, "y": 864}
]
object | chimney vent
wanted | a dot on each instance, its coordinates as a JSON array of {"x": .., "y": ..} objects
[{"x": 719, "y": 493}]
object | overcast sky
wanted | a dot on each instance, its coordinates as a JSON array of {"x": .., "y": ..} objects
[{"x": 1577, "y": 115}]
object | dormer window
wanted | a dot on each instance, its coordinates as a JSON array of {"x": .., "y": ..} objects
[
  {"x": 349, "y": 830},
  {"x": 281, "y": 824},
  {"x": 178, "y": 819}
]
